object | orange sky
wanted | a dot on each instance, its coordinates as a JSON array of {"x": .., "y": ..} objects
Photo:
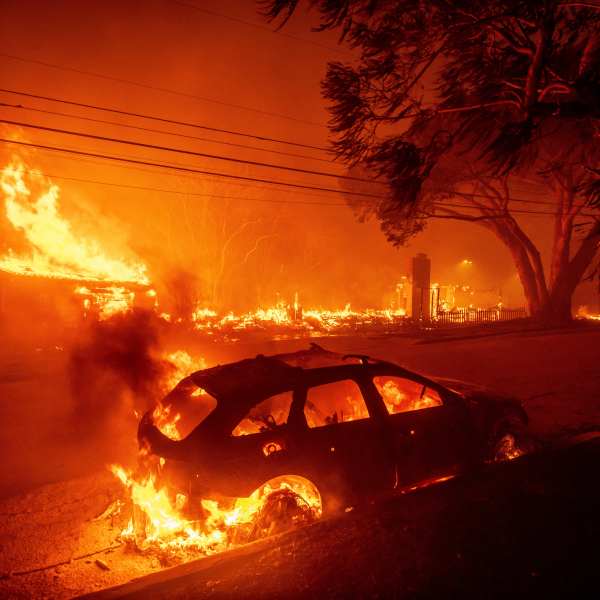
[{"x": 239, "y": 250}]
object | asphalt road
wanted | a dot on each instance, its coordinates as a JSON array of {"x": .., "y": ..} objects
[{"x": 525, "y": 529}]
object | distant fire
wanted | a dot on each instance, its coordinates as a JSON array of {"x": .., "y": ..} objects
[
  {"x": 294, "y": 318},
  {"x": 55, "y": 251},
  {"x": 584, "y": 313}
]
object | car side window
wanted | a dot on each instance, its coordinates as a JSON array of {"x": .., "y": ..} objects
[
  {"x": 265, "y": 416},
  {"x": 335, "y": 402},
  {"x": 403, "y": 395}
]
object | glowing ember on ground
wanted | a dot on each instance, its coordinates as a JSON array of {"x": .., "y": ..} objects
[{"x": 293, "y": 317}]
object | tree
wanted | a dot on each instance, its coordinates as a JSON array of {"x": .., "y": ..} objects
[{"x": 453, "y": 104}]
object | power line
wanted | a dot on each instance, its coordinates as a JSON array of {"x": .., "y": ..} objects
[
  {"x": 263, "y": 187},
  {"x": 164, "y": 120},
  {"x": 474, "y": 195},
  {"x": 343, "y": 205},
  {"x": 158, "y": 89},
  {"x": 183, "y": 193},
  {"x": 163, "y": 169},
  {"x": 188, "y": 152},
  {"x": 183, "y": 123},
  {"x": 190, "y": 170},
  {"x": 254, "y": 163},
  {"x": 162, "y": 131},
  {"x": 258, "y": 26},
  {"x": 268, "y": 200},
  {"x": 510, "y": 199}
]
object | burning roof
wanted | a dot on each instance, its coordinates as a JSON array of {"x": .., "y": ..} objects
[{"x": 55, "y": 250}]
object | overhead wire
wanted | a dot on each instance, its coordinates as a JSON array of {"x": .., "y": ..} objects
[
  {"x": 185, "y": 151},
  {"x": 264, "y": 28},
  {"x": 262, "y": 138},
  {"x": 237, "y": 160},
  {"x": 528, "y": 201},
  {"x": 163, "y": 132},
  {"x": 159, "y": 89},
  {"x": 166, "y": 172},
  {"x": 161, "y": 190},
  {"x": 189, "y": 169}
]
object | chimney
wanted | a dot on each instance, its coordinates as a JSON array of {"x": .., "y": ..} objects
[{"x": 421, "y": 284}]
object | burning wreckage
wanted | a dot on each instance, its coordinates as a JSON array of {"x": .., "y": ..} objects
[{"x": 280, "y": 440}]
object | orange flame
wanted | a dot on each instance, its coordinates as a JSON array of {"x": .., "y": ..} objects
[
  {"x": 161, "y": 518},
  {"x": 55, "y": 249}
]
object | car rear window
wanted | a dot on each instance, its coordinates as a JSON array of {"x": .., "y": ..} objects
[
  {"x": 335, "y": 402},
  {"x": 268, "y": 414},
  {"x": 403, "y": 395}
]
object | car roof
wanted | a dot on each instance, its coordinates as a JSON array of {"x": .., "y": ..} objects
[{"x": 253, "y": 379}]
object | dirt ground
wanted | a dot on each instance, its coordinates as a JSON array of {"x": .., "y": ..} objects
[
  {"x": 55, "y": 485},
  {"x": 526, "y": 529}
]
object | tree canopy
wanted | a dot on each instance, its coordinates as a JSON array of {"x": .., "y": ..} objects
[
  {"x": 453, "y": 100},
  {"x": 499, "y": 72}
]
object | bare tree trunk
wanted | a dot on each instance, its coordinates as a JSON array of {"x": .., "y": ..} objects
[
  {"x": 505, "y": 230},
  {"x": 552, "y": 306},
  {"x": 558, "y": 309}
]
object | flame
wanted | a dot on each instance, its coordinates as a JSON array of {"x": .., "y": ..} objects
[
  {"x": 55, "y": 249},
  {"x": 183, "y": 364},
  {"x": 160, "y": 522},
  {"x": 166, "y": 520},
  {"x": 584, "y": 313},
  {"x": 294, "y": 317},
  {"x": 410, "y": 398},
  {"x": 105, "y": 301}
]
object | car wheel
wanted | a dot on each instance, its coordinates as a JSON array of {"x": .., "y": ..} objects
[
  {"x": 286, "y": 502},
  {"x": 510, "y": 440}
]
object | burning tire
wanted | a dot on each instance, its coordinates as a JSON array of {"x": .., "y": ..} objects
[
  {"x": 286, "y": 502},
  {"x": 510, "y": 441}
]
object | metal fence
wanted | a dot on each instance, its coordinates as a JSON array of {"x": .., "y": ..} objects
[{"x": 475, "y": 316}]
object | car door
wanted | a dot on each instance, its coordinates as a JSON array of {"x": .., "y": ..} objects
[
  {"x": 430, "y": 431},
  {"x": 258, "y": 448},
  {"x": 340, "y": 442}
]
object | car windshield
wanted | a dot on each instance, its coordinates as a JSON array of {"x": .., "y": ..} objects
[{"x": 404, "y": 395}]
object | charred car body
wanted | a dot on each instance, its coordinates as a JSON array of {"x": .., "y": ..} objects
[{"x": 353, "y": 426}]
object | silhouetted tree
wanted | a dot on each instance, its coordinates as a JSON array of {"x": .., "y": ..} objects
[{"x": 454, "y": 102}]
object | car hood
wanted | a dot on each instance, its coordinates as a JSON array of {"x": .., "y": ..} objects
[{"x": 476, "y": 393}]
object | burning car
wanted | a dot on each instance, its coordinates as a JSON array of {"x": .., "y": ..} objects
[{"x": 350, "y": 427}]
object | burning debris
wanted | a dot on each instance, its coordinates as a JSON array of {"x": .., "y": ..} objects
[{"x": 291, "y": 319}]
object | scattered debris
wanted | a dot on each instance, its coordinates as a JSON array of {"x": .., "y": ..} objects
[
  {"x": 113, "y": 509},
  {"x": 100, "y": 563}
]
